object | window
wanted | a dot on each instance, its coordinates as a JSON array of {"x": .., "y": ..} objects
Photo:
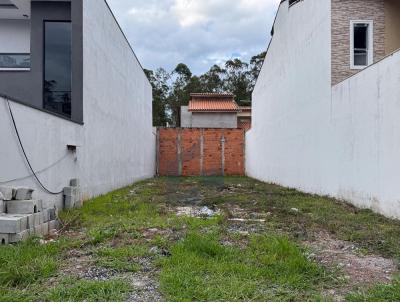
[
  {"x": 57, "y": 67},
  {"x": 362, "y": 54},
  {"x": 15, "y": 61}
]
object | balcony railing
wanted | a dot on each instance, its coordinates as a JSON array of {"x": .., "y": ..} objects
[{"x": 15, "y": 61}]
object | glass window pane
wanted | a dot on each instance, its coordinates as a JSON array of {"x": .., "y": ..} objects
[
  {"x": 360, "y": 58},
  {"x": 57, "y": 67},
  {"x": 361, "y": 36},
  {"x": 15, "y": 61}
]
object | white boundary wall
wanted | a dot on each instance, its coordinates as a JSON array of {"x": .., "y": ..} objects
[
  {"x": 116, "y": 142},
  {"x": 343, "y": 142},
  {"x": 366, "y": 129}
]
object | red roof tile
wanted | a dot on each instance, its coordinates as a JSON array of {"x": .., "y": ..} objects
[
  {"x": 221, "y": 105},
  {"x": 213, "y": 102}
]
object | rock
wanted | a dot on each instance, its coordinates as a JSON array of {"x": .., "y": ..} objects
[{"x": 295, "y": 210}]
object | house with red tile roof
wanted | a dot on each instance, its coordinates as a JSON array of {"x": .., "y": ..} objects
[{"x": 210, "y": 110}]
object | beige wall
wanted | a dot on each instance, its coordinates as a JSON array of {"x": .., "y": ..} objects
[
  {"x": 343, "y": 11},
  {"x": 392, "y": 32}
]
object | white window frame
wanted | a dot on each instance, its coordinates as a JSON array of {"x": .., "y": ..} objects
[{"x": 370, "y": 56}]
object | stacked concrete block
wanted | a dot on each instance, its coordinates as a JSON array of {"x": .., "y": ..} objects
[
  {"x": 72, "y": 195},
  {"x": 7, "y": 193},
  {"x": 21, "y": 217},
  {"x": 2, "y": 206},
  {"x": 24, "y": 206}
]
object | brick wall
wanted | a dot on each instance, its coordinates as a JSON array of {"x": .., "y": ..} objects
[
  {"x": 343, "y": 11},
  {"x": 200, "y": 152}
]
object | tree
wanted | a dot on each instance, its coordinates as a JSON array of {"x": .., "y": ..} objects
[
  {"x": 161, "y": 90},
  {"x": 256, "y": 64},
  {"x": 213, "y": 80},
  {"x": 238, "y": 79},
  {"x": 172, "y": 90}
]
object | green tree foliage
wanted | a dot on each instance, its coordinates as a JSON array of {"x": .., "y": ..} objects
[{"x": 172, "y": 90}]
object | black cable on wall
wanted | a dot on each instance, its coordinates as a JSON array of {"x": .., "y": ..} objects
[{"x": 26, "y": 157}]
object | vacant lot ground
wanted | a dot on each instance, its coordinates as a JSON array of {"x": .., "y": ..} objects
[{"x": 208, "y": 239}]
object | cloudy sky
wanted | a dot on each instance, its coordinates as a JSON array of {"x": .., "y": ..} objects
[{"x": 199, "y": 33}]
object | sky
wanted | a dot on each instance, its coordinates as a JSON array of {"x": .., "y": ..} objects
[{"x": 199, "y": 33}]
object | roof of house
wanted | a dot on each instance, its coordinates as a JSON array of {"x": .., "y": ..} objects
[
  {"x": 213, "y": 102},
  {"x": 245, "y": 108}
]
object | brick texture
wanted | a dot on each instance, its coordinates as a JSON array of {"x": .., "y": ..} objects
[
  {"x": 200, "y": 152},
  {"x": 343, "y": 11}
]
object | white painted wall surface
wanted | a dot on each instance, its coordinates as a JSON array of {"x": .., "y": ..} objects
[
  {"x": 45, "y": 138},
  {"x": 366, "y": 138},
  {"x": 15, "y": 36},
  {"x": 120, "y": 142},
  {"x": 343, "y": 142},
  {"x": 291, "y": 100},
  {"x": 116, "y": 142}
]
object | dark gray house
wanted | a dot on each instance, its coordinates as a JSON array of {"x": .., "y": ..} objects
[{"x": 70, "y": 78}]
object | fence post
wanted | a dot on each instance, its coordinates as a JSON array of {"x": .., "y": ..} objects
[
  {"x": 179, "y": 151},
  {"x": 223, "y": 154},
  {"x": 201, "y": 152}
]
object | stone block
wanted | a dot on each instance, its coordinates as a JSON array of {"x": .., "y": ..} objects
[
  {"x": 4, "y": 239},
  {"x": 7, "y": 193},
  {"x": 14, "y": 238},
  {"x": 24, "y": 206},
  {"x": 23, "y": 194},
  {"x": 12, "y": 224},
  {"x": 75, "y": 182}
]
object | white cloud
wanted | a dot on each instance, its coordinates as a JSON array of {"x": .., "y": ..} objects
[{"x": 197, "y": 32}]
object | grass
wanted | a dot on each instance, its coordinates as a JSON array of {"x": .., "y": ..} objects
[
  {"x": 269, "y": 268},
  {"x": 199, "y": 259}
]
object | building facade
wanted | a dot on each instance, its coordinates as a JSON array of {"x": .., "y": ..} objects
[
  {"x": 210, "y": 110},
  {"x": 325, "y": 105},
  {"x": 70, "y": 78}
]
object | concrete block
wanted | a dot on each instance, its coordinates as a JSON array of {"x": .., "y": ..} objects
[
  {"x": 45, "y": 229},
  {"x": 7, "y": 193},
  {"x": 38, "y": 219},
  {"x": 4, "y": 239},
  {"x": 2, "y": 206},
  {"x": 37, "y": 230},
  {"x": 12, "y": 224},
  {"x": 70, "y": 191},
  {"x": 52, "y": 213},
  {"x": 24, "y": 206},
  {"x": 69, "y": 202},
  {"x": 54, "y": 225},
  {"x": 31, "y": 220},
  {"x": 23, "y": 194},
  {"x": 14, "y": 238},
  {"x": 46, "y": 215},
  {"x": 75, "y": 182}
]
